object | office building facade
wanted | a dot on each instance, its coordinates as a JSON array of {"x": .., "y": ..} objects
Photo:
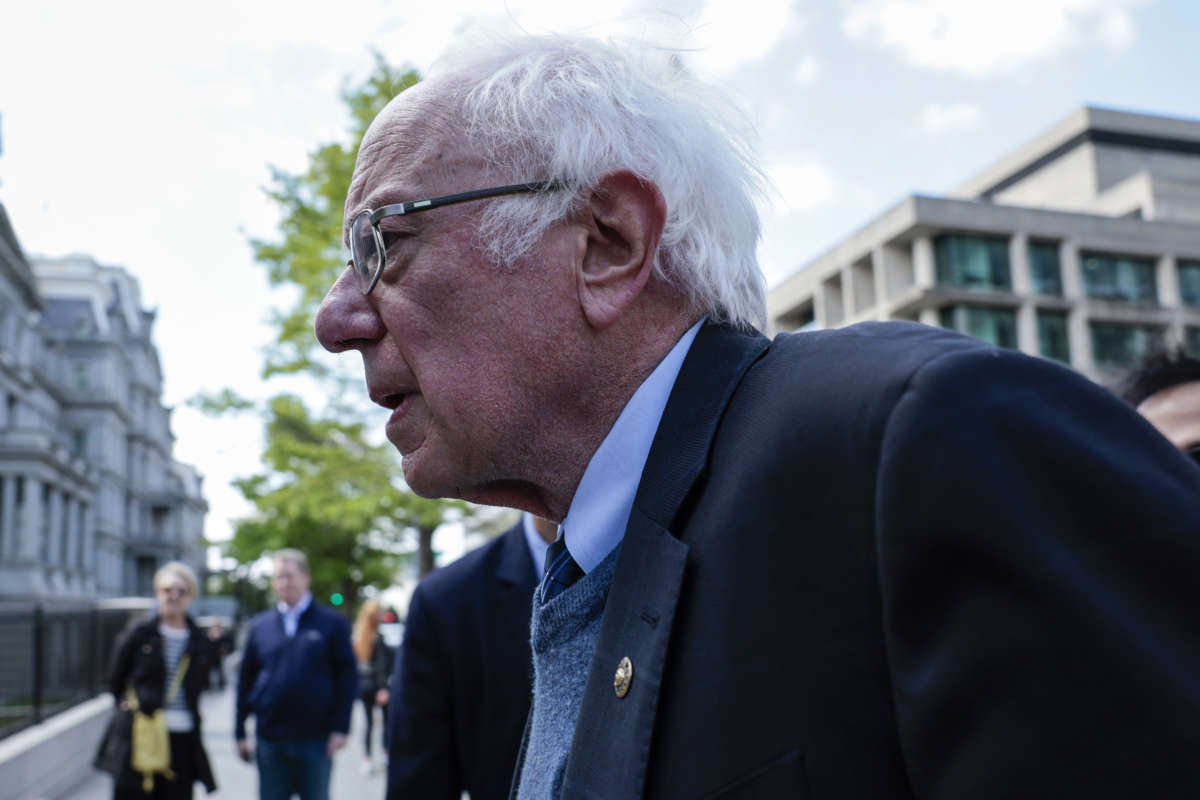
[{"x": 1082, "y": 246}]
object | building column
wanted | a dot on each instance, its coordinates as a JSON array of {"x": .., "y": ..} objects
[
  {"x": 8, "y": 519},
  {"x": 30, "y": 524},
  {"x": 71, "y": 511},
  {"x": 930, "y": 316},
  {"x": 1022, "y": 286},
  {"x": 849, "y": 303},
  {"x": 924, "y": 268},
  {"x": 54, "y": 531},
  {"x": 1079, "y": 336},
  {"x": 1169, "y": 296}
]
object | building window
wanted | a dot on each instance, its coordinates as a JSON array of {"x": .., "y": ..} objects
[
  {"x": 1045, "y": 269},
  {"x": 82, "y": 379},
  {"x": 997, "y": 326},
  {"x": 1052, "y": 336},
  {"x": 1189, "y": 282},
  {"x": 1122, "y": 278},
  {"x": 1192, "y": 342},
  {"x": 972, "y": 262},
  {"x": 1120, "y": 346}
]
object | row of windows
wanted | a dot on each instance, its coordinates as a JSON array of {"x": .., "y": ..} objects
[
  {"x": 981, "y": 262},
  {"x": 1114, "y": 345}
]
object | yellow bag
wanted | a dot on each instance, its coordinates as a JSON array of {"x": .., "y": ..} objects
[{"x": 150, "y": 745}]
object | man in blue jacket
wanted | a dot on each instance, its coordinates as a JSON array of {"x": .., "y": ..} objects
[{"x": 298, "y": 679}]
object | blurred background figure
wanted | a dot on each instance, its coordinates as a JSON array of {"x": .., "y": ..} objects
[
  {"x": 222, "y": 642},
  {"x": 161, "y": 663},
  {"x": 464, "y": 672},
  {"x": 374, "y": 674},
  {"x": 1165, "y": 389},
  {"x": 298, "y": 680}
]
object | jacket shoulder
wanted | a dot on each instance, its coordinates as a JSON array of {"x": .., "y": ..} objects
[{"x": 449, "y": 584}]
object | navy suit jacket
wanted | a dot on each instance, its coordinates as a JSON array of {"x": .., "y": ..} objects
[
  {"x": 460, "y": 692},
  {"x": 299, "y": 687},
  {"x": 889, "y": 561}
]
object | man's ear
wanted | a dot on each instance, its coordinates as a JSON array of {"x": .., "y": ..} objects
[{"x": 624, "y": 219}]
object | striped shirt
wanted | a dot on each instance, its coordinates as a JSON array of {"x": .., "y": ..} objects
[{"x": 176, "y": 713}]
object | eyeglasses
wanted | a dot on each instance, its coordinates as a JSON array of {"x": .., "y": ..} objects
[
  {"x": 367, "y": 250},
  {"x": 173, "y": 591}
]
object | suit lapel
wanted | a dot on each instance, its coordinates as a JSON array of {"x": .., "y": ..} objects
[
  {"x": 613, "y": 734},
  {"x": 513, "y": 599}
]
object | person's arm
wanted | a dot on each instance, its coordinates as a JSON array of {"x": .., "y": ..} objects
[
  {"x": 121, "y": 664},
  {"x": 422, "y": 758},
  {"x": 247, "y": 675},
  {"x": 345, "y": 682},
  {"x": 1039, "y": 547}
]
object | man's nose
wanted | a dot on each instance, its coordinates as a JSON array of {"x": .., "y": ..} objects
[{"x": 346, "y": 320}]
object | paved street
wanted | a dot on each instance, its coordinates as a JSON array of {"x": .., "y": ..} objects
[{"x": 239, "y": 781}]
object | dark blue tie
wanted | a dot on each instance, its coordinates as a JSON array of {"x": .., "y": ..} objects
[{"x": 561, "y": 570}]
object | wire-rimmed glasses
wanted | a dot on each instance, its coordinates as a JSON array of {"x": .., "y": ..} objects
[{"x": 367, "y": 251}]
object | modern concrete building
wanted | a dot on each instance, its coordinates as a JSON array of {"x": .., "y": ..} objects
[
  {"x": 1082, "y": 245},
  {"x": 91, "y": 499}
]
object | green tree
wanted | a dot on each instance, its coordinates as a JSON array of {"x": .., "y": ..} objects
[
  {"x": 329, "y": 492},
  {"x": 309, "y": 255},
  {"x": 325, "y": 488}
]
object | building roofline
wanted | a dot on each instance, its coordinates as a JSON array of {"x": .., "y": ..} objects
[{"x": 1084, "y": 125}]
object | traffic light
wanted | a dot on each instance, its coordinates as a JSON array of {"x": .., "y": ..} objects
[
  {"x": 389, "y": 616},
  {"x": 336, "y": 598}
]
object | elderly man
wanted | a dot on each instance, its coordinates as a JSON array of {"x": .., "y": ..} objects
[
  {"x": 1165, "y": 389},
  {"x": 299, "y": 680},
  {"x": 884, "y": 561}
]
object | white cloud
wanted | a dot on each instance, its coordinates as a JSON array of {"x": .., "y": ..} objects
[
  {"x": 948, "y": 118},
  {"x": 728, "y": 34},
  {"x": 806, "y": 70},
  {"x": 980, "y": 39},
  {"x": 801, "y": 184}
]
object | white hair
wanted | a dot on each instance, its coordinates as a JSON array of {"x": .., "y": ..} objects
[{"x": 573, "y": 110}]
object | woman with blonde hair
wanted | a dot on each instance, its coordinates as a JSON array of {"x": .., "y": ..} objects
[
  {"x": 374, "y": 672},
  {"x": 162, "y": 664}
]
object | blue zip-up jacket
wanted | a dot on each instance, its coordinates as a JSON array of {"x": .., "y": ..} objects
[{"x": 301, "y": 687}]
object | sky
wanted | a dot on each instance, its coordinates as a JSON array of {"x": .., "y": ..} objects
[{"x": 142, "y": 133}]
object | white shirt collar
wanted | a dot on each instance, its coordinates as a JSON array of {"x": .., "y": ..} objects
[
  {"x": 296, "y": 610},
  {"x": 595, "y": 522},
  {"x": 537, "y": 545}
]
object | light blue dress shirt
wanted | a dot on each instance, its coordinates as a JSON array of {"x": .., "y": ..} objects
[
  {"x": 291, "y": 615},
  {"x": 595, "y": 522}
]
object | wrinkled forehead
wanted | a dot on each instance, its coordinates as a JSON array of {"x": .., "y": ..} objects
[{"x": 413, "y": 149}]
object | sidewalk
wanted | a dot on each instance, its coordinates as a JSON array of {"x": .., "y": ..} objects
[{"x": 237, "y": 780}]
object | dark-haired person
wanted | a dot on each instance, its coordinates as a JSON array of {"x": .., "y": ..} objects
[
  {"x": 461, "y": 685},
  {"x": 146, "y": 663},
  {"x": 1165, "y": 389}
]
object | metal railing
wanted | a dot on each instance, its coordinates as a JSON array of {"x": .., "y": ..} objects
[{"x": 52, "y": 659}]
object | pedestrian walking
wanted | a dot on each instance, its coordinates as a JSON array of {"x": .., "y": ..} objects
[
  {"x": 158, "y": 671},
  {"x": 374, "y": 673},
  {"x": 298, "y": 680}
]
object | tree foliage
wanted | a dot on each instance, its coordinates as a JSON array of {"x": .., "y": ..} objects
[
  {"x": 309, "y": 254},
  {"x": 325, "y": 488},
  {"x": 329, "y": 492}
]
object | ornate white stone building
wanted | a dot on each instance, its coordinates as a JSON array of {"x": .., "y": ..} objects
[{"x": 91, "y": 499}]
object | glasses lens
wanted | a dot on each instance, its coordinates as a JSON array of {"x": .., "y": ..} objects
[{"x": 363, "y": 251}]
